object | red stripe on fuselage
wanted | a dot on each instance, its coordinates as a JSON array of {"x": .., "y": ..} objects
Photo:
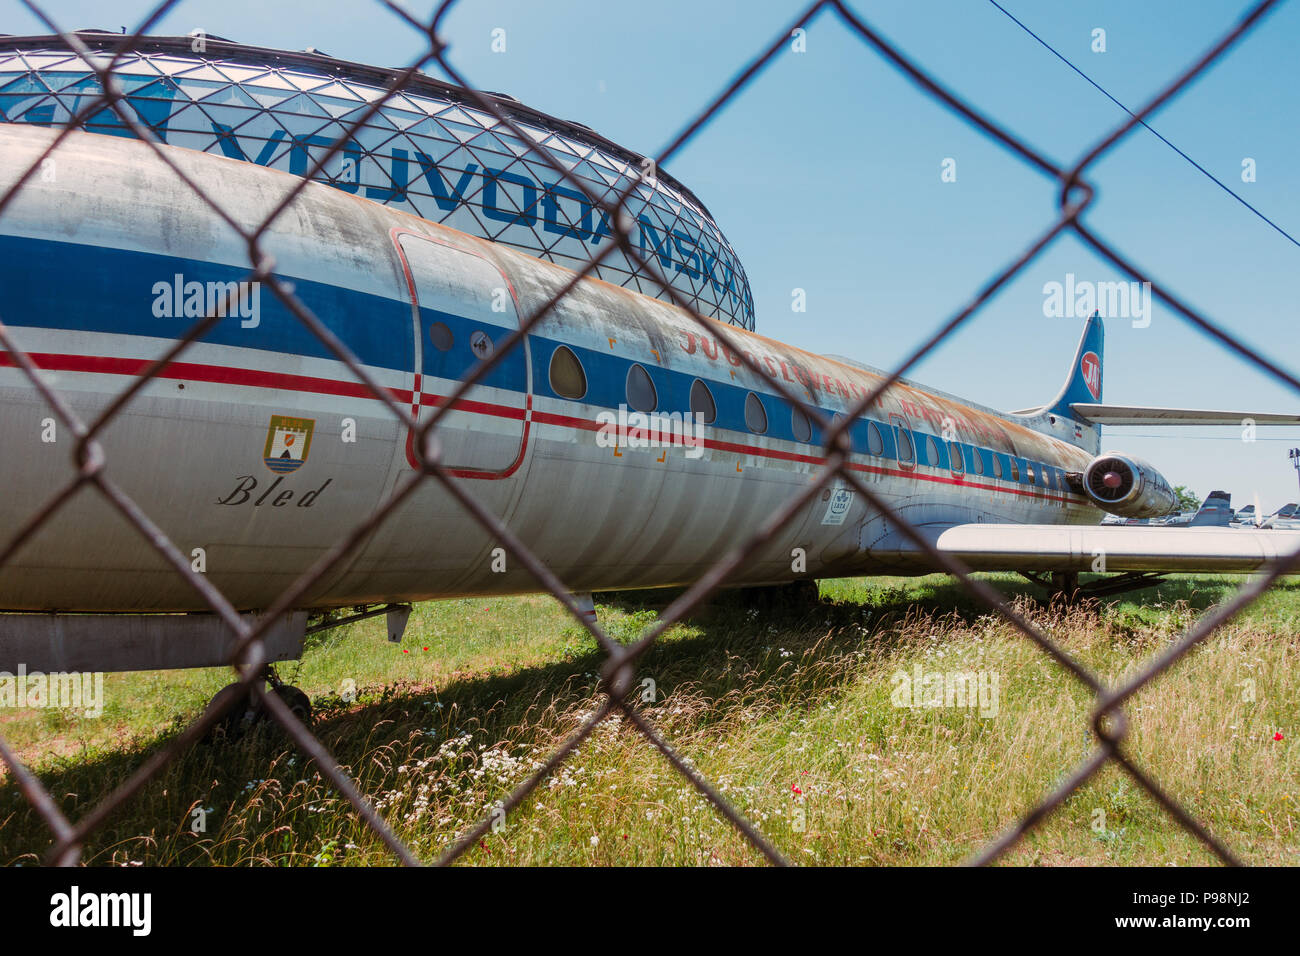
[
  {"x": 252, "y": 378},
  {"x": 220, "y": 374},
  {"x": 256, "y": 378},
  {"x": 568, "y": 421}
]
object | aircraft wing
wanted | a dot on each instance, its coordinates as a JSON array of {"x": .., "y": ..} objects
[
  {"x": 1031, "y": 547},
  {"x": 1149, "y": 415}
]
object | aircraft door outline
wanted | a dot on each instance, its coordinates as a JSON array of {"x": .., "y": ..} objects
[
  {"x": 438, "y": 263},
  {"x": 900, "y": 424}
]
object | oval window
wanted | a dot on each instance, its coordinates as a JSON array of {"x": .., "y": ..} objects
[
  {"x": 955, "y": 459},
  {"x": 568, "y": 380},
  {"x": 702, "y": 403},
  {"x": 977, "y": 460},
  {"x": 801, "y": 426},
  {"x": 755, "y": 414},
  {"x": 932, "y": 453},
  {"x": 875, "y": 441},
  {"x": 641, "y": 394},
  {"x": 998, "y": 470},
  {"x": 441, "y": 337},
  {"x": 1029, "y": 472},
  {"x": 1015, "y": 470}
]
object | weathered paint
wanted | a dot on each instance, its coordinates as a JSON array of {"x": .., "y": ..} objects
[{"x": 84, "y": 251}]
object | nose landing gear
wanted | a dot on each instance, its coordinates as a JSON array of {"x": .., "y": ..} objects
[
  {"x": 298, "y": 702},
  {"x": 246, "y": 712}
]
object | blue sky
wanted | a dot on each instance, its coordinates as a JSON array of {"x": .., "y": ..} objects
[{"x": 825, "y": 175}]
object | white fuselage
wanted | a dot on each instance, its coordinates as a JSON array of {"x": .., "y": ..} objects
[{"x": 108, "y": 260}]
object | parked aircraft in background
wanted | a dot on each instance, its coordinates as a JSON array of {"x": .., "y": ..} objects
[
  {"x": 1215, "y": 512},
  {"x": 1286, "y": 517}
]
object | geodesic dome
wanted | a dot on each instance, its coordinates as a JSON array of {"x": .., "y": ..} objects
[{"x": 428, "y": 150}]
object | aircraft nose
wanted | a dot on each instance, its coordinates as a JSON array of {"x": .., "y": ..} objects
[{"x": 1111, "y": 480}]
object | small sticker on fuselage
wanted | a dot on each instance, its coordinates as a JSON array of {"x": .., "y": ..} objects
[
  {"x": 480, "y": 344},
  {"x": 838, "y": 508}
]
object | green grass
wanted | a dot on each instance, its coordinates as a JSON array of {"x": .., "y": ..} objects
[{"x": 789, "y": 711}]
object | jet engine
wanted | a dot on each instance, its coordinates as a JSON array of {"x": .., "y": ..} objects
[{"x": 1128, "y": 486}]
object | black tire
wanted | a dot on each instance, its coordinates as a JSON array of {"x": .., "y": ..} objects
[
  {"x": 296, "y": 700},
  {"x": 236, "y": 721}
]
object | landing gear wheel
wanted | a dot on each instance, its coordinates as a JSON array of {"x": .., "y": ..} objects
[
  {"x": 296, "y": 700},
  {"x": 1065, "y": 587},
  {"x": 245, "y": 712},
  {"x": 236, "y": 721},
  {"x": 792, "y": 596}
]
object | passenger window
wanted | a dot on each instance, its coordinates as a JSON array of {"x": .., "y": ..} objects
[
  {"x": 702, "y": 403},
  {"x": 955, "y": 460},
  {"x": 998, "y": 470},
  {"x": 800, "y": 424},
  {"x": 755, "y": 414},
  {"x": 875, "y": 441},
  {"x": 441, "y": 337},
  {"x": 933, "y": 454},
  {"x": 568, "y": 380},
  {"x": 1015, "y": 470},
  {"x": 641, "y": 394}
]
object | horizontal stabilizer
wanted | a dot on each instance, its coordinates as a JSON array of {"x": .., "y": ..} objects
[{"x": 1150, "y": 415}]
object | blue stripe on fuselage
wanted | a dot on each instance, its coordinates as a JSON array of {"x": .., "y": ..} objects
[
  {"x": 78, "y": 287},
  {"x": 71, "y": 286}
]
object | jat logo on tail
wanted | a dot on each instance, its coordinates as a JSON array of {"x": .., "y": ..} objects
[
  {"x": 287, "y": 442},
  {"x": 1090, "y": 365}
]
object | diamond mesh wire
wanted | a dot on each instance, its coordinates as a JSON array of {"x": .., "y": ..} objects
[{"x": 93, "y": 468}]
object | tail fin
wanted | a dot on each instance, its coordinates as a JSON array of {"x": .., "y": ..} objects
[
  {"x": 1216, "y": 510},
  {"x": 1084, "y": 381}
]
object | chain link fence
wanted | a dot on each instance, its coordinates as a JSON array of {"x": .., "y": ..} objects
[{"x": 94, "y": 470}]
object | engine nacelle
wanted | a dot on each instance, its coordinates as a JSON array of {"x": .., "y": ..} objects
[{"x": 1128, "y": 486}]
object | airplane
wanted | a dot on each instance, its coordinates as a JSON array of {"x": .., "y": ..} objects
[
  {"x": 1284, "y": 517},
  {"x": 624, "y": 442},
  {"x": 1215, "y": 512}
]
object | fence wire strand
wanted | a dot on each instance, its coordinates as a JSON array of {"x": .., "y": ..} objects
[{"x": 249, "y": 657}]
